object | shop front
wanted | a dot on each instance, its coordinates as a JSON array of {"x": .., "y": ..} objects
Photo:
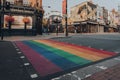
[{"x": 87, "y": 27}]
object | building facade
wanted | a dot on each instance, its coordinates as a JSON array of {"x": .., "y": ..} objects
[
  {"x": 21, "y": 9},
  {"x": 87, "y": 17},
  {"x": 55, "y": 23},
  {"x": 32, "y": 3},
  {"x": 119, "y": 18},
  {"x": 113, "y": 20},
  {"x": 84, "y": 11},
  {"x": 102, "y": 18},
  {"x": 105, "y": 16},
  {"x": 100, "y": 15}
]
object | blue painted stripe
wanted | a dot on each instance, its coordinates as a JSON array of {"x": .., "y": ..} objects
[{"x": 56, "y": 59}]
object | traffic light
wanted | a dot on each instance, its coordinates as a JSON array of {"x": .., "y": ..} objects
[{"x": 7, "y": 5}]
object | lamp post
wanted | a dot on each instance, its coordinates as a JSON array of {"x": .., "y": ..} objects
[
  {"x": 5, "y": 5},
  {"x": 57, "y": 27}
]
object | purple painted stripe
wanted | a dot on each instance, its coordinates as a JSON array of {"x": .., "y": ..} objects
[{"x": 39, "y": 62}]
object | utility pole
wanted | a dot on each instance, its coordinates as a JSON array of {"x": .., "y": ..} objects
[{"x": 66, "y": 28}]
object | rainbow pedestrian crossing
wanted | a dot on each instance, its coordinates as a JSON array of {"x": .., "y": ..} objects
[{"x": 49, "y": 57}]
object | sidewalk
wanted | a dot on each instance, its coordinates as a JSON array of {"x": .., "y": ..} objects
[
  {"x": 44, "y": 36},
  {"x": 51, "y": 35},
  {"x": 108, "y": 74}
]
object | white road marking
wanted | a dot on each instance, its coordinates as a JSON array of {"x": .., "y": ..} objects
[
  {"x": 88, "y": 75},
  {"x": 26, "y": 64},
  {"x": 17, "y": 49},
  {"x": 117, "y": 59},
  {"x": 102, "y": 67},
  {"x": 33, "y": 75},
  {"x": 19, "y": 52},
  {"x": 22, "y": 57}
]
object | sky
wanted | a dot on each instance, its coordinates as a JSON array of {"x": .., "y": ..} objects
[{"x": 56, "y": 5}]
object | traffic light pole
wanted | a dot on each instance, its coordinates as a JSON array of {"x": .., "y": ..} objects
[
  {"x": 2, "y": 19},
  {"x": 5, "y": 5}
]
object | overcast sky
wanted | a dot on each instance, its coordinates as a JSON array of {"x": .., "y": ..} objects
[{"x": 56, "y": 5}]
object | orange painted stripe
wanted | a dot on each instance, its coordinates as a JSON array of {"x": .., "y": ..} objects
[{"x": 72, "y": 51}]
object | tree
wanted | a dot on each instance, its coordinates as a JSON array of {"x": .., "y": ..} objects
[
  {"x": 26, "y": 21},
  {"x": 9, "y": 20}
]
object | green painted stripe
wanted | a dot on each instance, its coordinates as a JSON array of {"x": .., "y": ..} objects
[{"x": 71, "y": 57}]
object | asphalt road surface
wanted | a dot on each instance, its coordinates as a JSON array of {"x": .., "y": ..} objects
[{"x": 107, "y": 42}]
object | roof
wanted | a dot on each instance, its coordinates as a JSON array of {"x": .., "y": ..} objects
[
  {"x": 84, "y": 22},
  {"x": 84, "y": 3}
]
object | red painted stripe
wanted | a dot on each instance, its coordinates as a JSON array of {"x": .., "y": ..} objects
[
  {"x": 39, "y": 62},
  {"x": 83, "y": 47}
]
